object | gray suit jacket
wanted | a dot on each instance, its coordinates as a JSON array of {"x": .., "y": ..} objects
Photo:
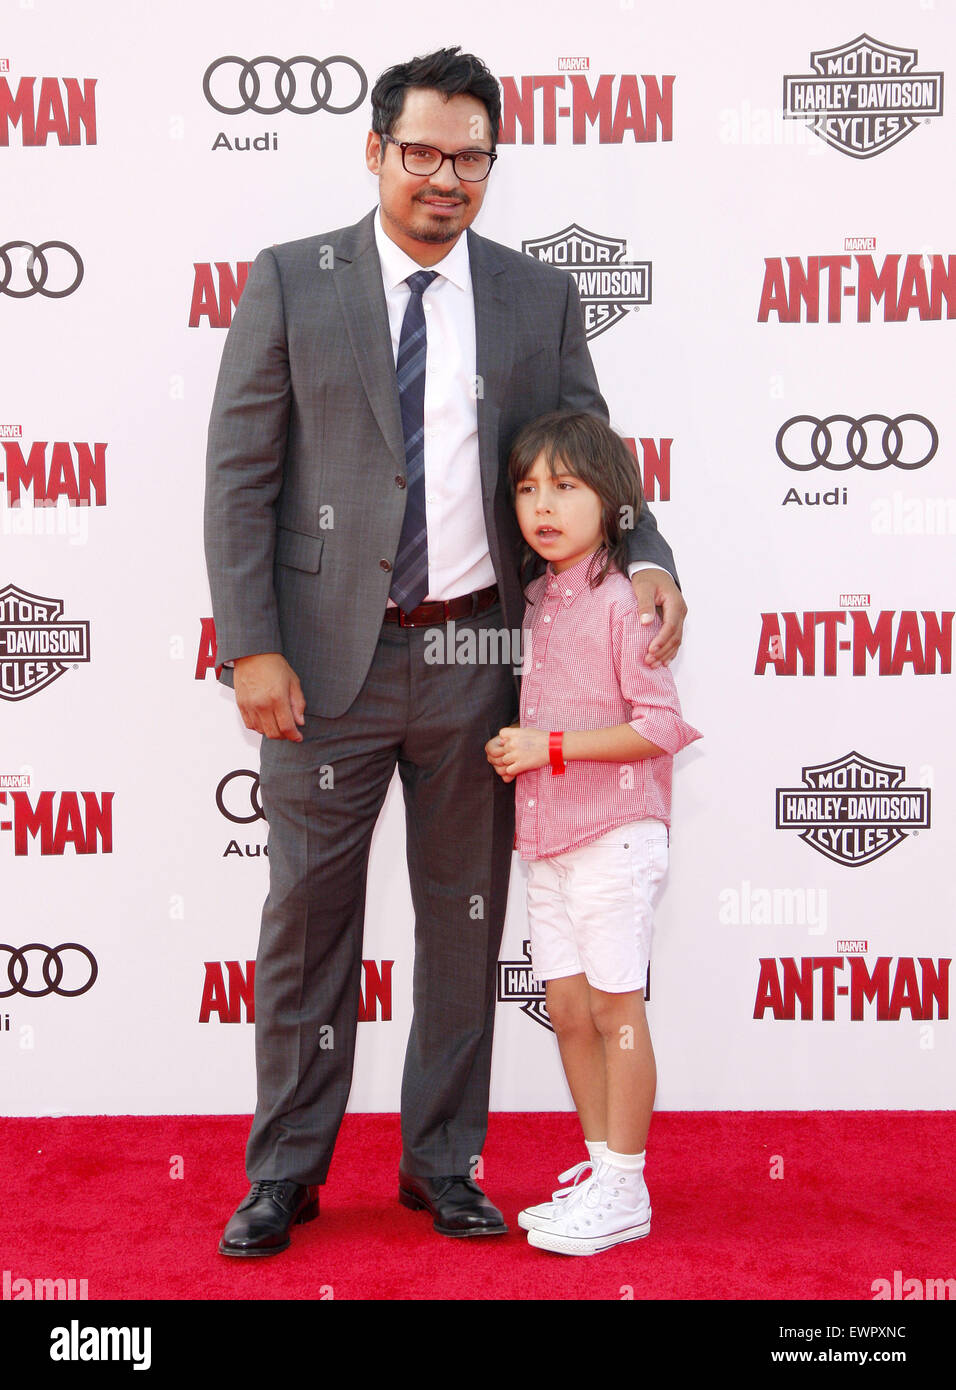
[{"x": 303, "y": 510}]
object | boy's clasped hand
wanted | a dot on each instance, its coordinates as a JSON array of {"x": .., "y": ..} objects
[{"x": 516, "y": 750}]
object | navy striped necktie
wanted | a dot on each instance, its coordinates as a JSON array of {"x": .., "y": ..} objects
[{"x": 410, "y": 574}]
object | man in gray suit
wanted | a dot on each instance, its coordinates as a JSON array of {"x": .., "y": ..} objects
[{"x": 357, "y": 498}]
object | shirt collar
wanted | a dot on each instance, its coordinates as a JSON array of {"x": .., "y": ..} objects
[
  {"x": 397, "y": 265},
  {"x": 572, "y": 582}
]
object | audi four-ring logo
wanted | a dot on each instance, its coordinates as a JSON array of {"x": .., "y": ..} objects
[
  {"x": 19, "y": 968},
  {"x": 920, "y": 433},
  {"x": 24, "y": 275},
  {"x": 292, "y": 88},
  {"x": 255, "y": 803}
]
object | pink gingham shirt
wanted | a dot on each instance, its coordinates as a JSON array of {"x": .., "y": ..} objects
[{"x": 584, "y": 669}]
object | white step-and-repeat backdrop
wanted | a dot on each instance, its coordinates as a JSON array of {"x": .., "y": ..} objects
[{"x": 757, "y": 205}]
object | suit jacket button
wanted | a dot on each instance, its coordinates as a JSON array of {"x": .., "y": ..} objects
[
  {"x": 399, "y": 481},
  {"x": 385, "y": 564}
]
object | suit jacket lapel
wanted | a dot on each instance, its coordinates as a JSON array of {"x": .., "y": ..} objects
[
  {"x": 494, "y": 344},
  {"x": 358, "y": 282}
]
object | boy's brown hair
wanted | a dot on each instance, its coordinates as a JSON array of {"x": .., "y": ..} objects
[{"x": 575, "y": 442}]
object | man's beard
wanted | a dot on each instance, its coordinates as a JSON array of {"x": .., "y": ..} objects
[{"x": 436, "y": 232}]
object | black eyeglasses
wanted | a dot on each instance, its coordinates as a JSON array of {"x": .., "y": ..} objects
[{"x": 471, "y": 166}]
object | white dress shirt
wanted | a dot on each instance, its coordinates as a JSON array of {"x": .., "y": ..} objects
[{"x": 458, "y": 558}]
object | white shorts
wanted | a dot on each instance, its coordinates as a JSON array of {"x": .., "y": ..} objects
[{"x": 591, "y": 910}]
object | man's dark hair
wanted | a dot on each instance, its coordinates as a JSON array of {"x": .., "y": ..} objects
[{"x": 448, "y": 71}]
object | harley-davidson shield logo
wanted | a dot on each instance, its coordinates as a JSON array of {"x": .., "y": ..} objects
[
  {"x": 864, "y": 96},
  {"x": 35, "y": 647},
  {"x": 854, "y": 809},
  {"x": 610, "y": 287},
  {"x": 517, "y": 985}
]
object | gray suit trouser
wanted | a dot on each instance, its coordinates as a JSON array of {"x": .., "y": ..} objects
[{"x": 322, "y": 798}]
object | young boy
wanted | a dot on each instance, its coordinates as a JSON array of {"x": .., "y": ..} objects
[{"x": 592, "y": 760}]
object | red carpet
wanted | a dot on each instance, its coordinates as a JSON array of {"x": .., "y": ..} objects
[{"x": 860, "y": 1195}]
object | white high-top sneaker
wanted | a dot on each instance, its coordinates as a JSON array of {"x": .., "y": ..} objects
[
  {"x": 612, "y": 1207},
  {"x": 544, "y": 1213}
]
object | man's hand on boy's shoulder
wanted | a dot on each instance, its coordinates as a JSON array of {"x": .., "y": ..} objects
[{"x": 656, "y": 589}]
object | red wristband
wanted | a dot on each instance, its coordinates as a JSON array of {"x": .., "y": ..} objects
[{"x": 554, "y": 752}]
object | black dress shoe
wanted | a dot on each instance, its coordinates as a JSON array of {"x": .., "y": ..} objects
[
  {"x": 260, "y": 1224},
  {"x": 459, "y": 1206}
]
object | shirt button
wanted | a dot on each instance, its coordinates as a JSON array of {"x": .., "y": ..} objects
[
  {"x": 568, "y": 593},
  {"x": 530, "y": 803},
  {"x": 531, "y": 710},
  {"x": 537, "y": 665},
  {"x": 547, "y": 617}
]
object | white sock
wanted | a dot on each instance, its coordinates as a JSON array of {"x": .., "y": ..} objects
[
  {"x": 629, "y": 1163},
  {"x": 597, "y": 1149}
]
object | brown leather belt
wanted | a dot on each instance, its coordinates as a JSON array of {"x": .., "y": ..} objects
[{"x": 443, "y": 610}]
